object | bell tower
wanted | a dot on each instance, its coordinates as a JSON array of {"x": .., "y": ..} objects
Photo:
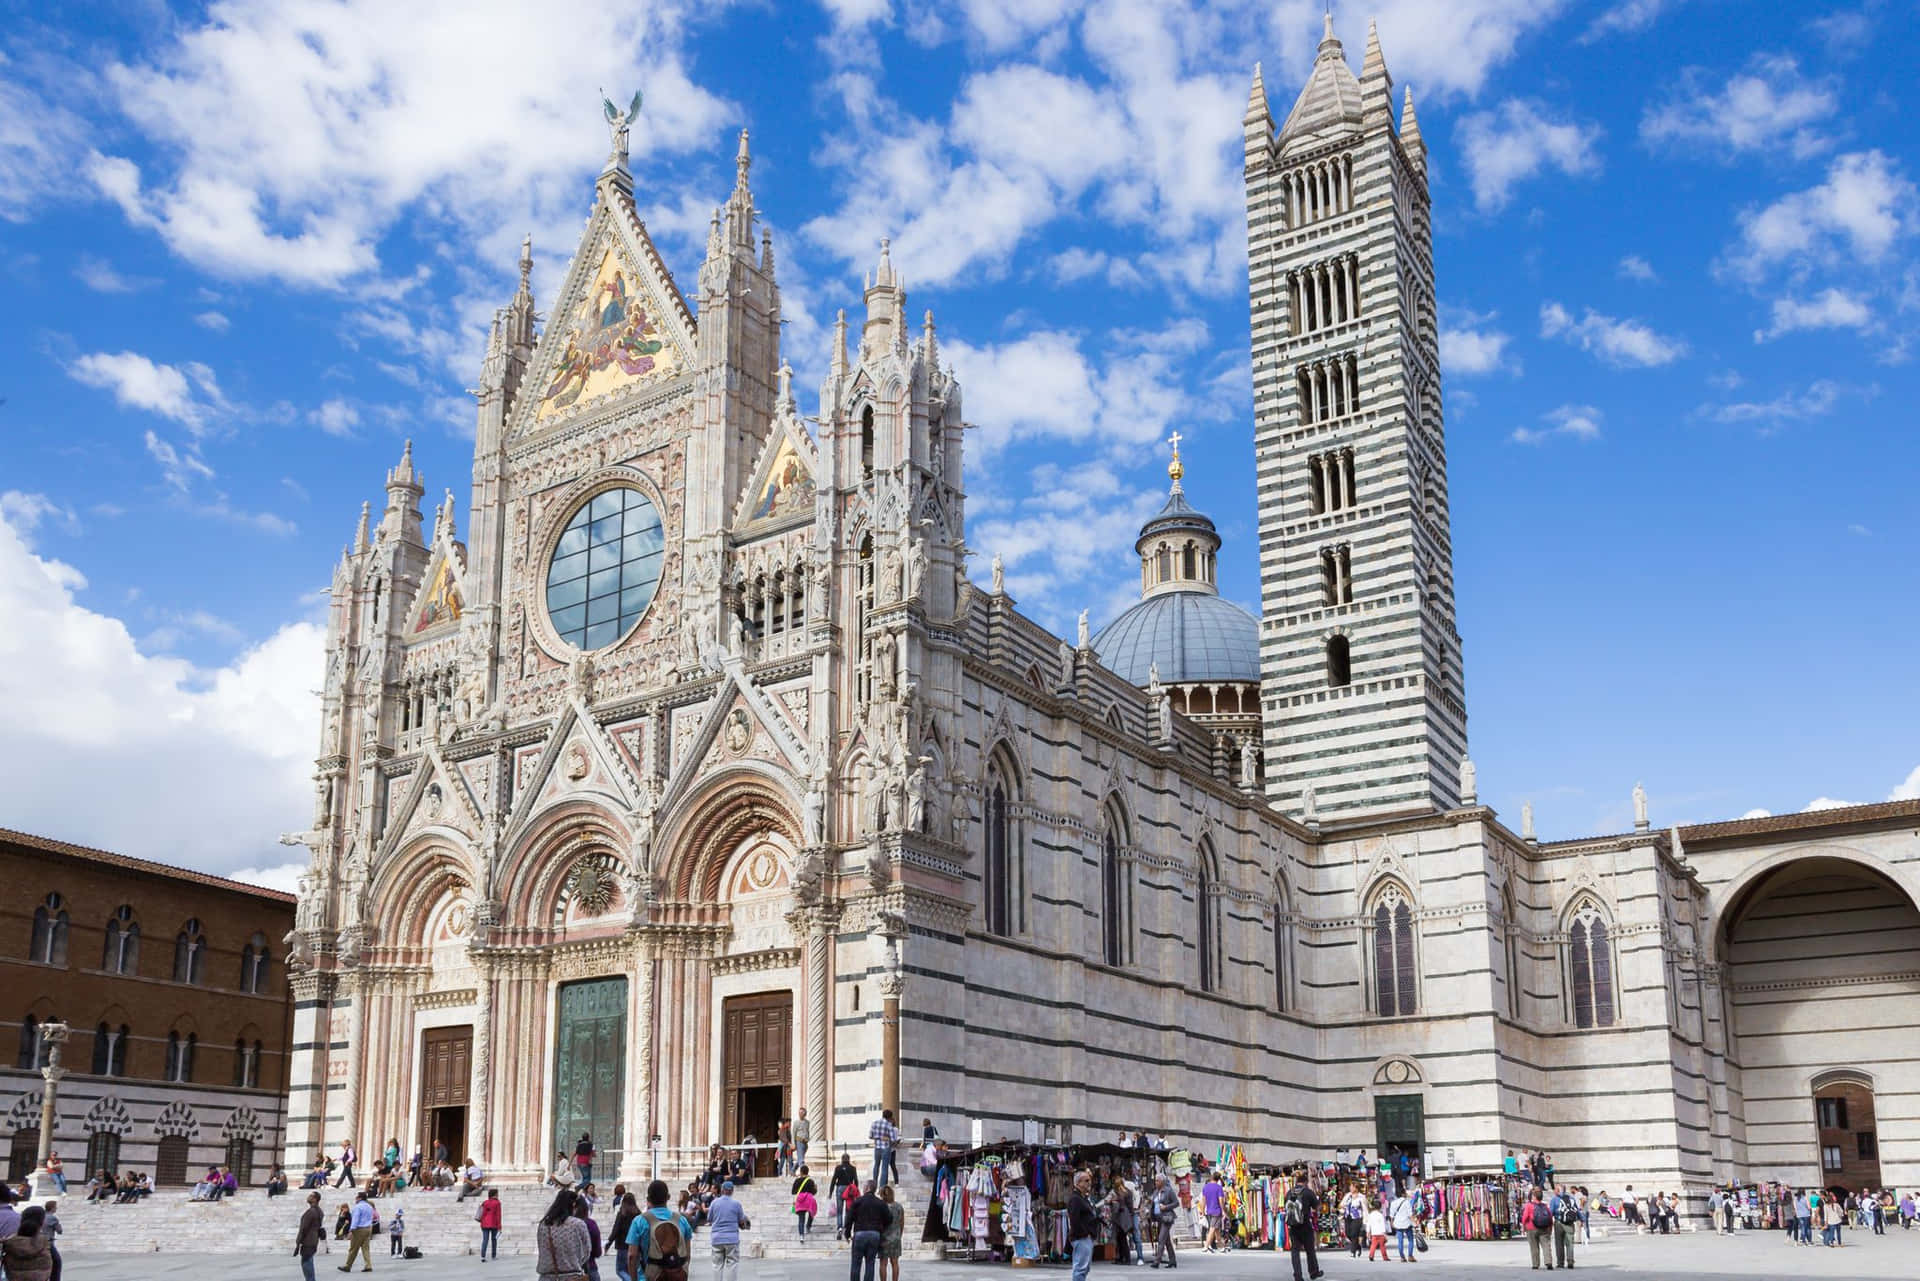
[{"x": 1363, "y": 703}]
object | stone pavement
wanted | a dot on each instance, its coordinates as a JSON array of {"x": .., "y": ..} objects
[{"x": 1744, "y": 1257}]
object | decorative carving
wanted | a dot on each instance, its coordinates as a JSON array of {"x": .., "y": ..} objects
[
  {"x": 1398, "y": 1071},
  {"x": 738, "y": 735},
  {"x": 176, "y": 1120},
  {"x": 243, "y": 1124},
  {"x": 109, "y": 1116},
  {"x": 591, "y": 886},
  {"x": 576, "y": 762},
  {"x": 999, "y": 575}
]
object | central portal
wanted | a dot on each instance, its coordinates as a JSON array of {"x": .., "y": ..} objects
[
  {"x": 590, "y": 1067},
  {"x": 756, "y": 1067}
]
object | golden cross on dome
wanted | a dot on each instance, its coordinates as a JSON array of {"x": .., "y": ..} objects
[{"x": 1174, "y": 470}]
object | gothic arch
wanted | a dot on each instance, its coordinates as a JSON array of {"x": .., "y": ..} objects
[
  {"x": 109, "y": 1116},
  {"x": 1585, "y": 900},
  {"x": 535, "y": 869},
  {"x": 748, "y": 798},
  {"x": 411, "y": 884},
  {"x": 25, "y": 1112},
  {"x": 242, "y": 1123}
]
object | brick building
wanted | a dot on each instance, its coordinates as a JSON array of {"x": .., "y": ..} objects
[{"x": 172, "y": 985}]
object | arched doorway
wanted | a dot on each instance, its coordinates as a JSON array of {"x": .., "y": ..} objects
[{"x": 1818, "y": 997}]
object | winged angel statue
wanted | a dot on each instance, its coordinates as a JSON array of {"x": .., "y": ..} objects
[{"x": 618, "y": 121}]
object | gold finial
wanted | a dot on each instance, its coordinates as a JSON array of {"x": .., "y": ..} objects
[{"x": 1174, "y": 470}]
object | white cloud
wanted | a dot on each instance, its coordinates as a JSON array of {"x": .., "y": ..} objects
[
  {"x": 1625, "y": 18},
  {"x": 206, "y": 766},
  {"x": 1517, "y": 140},
  {"x": 26, "y": 512},
  {"x": 1859, "y": 531},
  {"x": 188, "y": 393},
  {"x": 1817, "y": 401},
  {"x": 1908, "y": 789},
  {"x": 1757, "y": 813},
  {"x": 293, "y": 136},
  {"x": 284, "y": 877},
  {"x": 1581, "y": 422},
  {"x": 213, "y": 320},
  {"x": 1829, "y": 309},
  {"x": 1470, "y": 345},
  {"x": 39, "y": 144},
  {"x": 101, "y": 276},
  {"x": 335, "y": 417},
  {"x": 1862, "y": 209},
  {"x": 1634, "y": 267},
  {"x": 1771, "y": 104},
  {"x": 180, "y": 468},
  {"x": 1616, "y": 341},
  {"x": 1827, "y": 803}
]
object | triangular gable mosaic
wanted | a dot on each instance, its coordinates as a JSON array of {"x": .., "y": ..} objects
[
  {"x": 783, "y": 486},
  {"x": 441, "y": 601}
]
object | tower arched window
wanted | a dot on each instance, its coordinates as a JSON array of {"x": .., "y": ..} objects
[
  {"x": 29, "y": 1043},
  {"x": 49, "y": 944},
  {"x": 180, "y": 1056},
  {"x": 1395, "y": 978},
  {"x": 1339, "y": 662},
  {"x": 110, "y": 1050},
  {"x": 120, "y": 952},
  {"x": 1513, "y": 952},
  {"x": 998, "y": 864},
  {"x": 1590, "y": 968},
  {"x": 862, "y": 609},
  {"x": 253, "y": 964},
  {"x": 1205, "y": 933},
  {"x": 189, "y": 953},
  {"x": 1113, "y": 905},
  {"x": 1189, "y": 569},
  {"x": 866, "y": 442},
  {"x": 1282, "y": 960}
]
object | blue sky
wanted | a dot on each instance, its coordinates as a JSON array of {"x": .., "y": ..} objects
[{"x": 250, "y": 248}]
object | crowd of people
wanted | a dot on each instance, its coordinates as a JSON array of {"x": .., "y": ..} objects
[{"x": 29, "y": 1238}]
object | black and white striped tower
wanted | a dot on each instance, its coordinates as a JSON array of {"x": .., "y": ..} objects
[{"x": 1362, "y": 690}]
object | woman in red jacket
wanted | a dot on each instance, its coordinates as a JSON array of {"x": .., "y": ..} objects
[{"x": 488, "y": 1217}]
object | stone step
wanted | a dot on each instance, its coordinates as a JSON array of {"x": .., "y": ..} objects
[{"x": 436, "y": 1222}]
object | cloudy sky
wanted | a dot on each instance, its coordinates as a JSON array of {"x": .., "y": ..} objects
[{"x": 249, "y": 247}]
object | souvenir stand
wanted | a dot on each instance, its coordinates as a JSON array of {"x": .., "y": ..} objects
[
  {"x": 1008, "y": 1201},
  {"x": 1469, "y": 1207}
]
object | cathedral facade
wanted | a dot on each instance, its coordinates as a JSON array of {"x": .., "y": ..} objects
[{"x": 703, "y": 781}]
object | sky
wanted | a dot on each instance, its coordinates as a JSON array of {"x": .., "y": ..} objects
[{"x": 250, "y": 248}]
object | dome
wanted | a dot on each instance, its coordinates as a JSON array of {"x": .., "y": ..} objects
[{"x": 1193, "y": 636}]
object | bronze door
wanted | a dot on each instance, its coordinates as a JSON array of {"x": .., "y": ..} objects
[{"x": 756, "y": 1066}]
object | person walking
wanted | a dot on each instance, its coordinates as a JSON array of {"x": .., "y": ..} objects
[
  {"x": 1566, "y": 1217},
  {"x": 890, "y": 1239},
  {"x": 1906, "y": 1211},
  {"x": 583, "y": 1211},
  {"x": 396, "y": 1234},
  {"x": 1126, "y": 1224},
  {"x": 783, "y": 1163},
  {"x": 359, "y": 1233},
  {"x": 1537, "y": 1223},
  {"x": 1213, "y": 1203},
  {"x": 1803, "y": 1217},
  {"x": 1163, "y": 1208},
  {"x": 583, "y": 1157},
  {"x": 1376, "y": 1234},
  {"x": 346, "y": 1178},
  {"x": 726, "y": 1217},
  {"x": 1400, "y": 1212},
  {"x": 1083, "y": 1224},
  {"x": 659, "y": 1241},
  {"x": 806, "y": 1201},
  {"x": 802, "y": 1135},
  {"x": 627, "y": 1210},
  {"x": 1353, "y": 1220},
  {"x": 488, "y": 1217},
  {"x": 867, "y": 1220},
  {"x": 1303, "y": 1224},
  {"x": 306, "y": 1241},
  {"x": 843, "y": 1180},
  {"x": 884, "y": 1135},
  {"x": 562, "y": 1248}
]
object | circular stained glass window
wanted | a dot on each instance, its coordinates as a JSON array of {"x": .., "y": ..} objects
[{"x": 605, "y": 568}]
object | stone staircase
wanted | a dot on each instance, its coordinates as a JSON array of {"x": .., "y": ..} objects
[{"x": 435, "y": 1222}]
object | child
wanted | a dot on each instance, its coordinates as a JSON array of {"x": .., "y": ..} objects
[
  {"x": 396, "y": 1232},
  {"x": 1376, "y": 1234},
  {"x": 805, "y": 1205}
]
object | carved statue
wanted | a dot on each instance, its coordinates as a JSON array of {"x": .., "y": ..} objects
[
  {"x": 916, "y": 566},
  {"x": 916, "y": 787},
  {"x": 814, "y": 814},
  {"x": 809, "y": 875},
  {"x": 1066, "y": 664},
  {"x": 1085, "y": 631},
  {"x": 872, "y": 803},
  {"x": 999, "y": 575},
  {"x": 739, "y": 731},
  {"x": 1249, "y": 762},
  {"x": 1309, "y": 805},
  {"x": 1640, "y": 823},
  {"x": 1469, "y": 781},
  {"x": 883, "y": 666},
  {"x": 896, "y": 785},
  {"x": 879, "y": 868},
  {"x": 889, "y": 575},
  {"x": 299, "y": 952},
  {"x": 580, "y": 676},
  {"x": 619, "y": 121},
  {"x": 1526, "y": 821}
]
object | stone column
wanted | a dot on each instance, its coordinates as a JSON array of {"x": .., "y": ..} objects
[
  {"x": 819, "y": 976},
  {"x": 891, "y": 986},
  {"x": 55, "y": 1036},
  {"x": 637, "y": 1161},
  {"x": 480, "y": 1082}
]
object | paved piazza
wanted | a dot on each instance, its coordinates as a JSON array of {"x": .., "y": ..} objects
[{"x": 1694, "y": 1254}]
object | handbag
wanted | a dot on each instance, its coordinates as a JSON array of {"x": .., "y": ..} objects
[{"x": 1419, "y": 1240}]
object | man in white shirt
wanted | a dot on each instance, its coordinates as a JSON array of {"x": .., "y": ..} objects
[{"x": 470, "y": 1182}]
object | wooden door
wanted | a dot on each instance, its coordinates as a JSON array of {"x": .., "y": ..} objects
[
  {"x": 446, "y": 1071},
  {"x": 756, "y": 1052}
]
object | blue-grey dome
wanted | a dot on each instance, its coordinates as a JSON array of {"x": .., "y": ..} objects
[{"x": 1192, "y": 635}]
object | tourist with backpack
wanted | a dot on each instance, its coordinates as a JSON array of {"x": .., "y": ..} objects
[
  {"x": 1566, "y": 1218},
  {"x": 1303, "y": 1224},
  {"x": 659, "y": 1241},
  {"x": 1537, "y": 1222}
]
